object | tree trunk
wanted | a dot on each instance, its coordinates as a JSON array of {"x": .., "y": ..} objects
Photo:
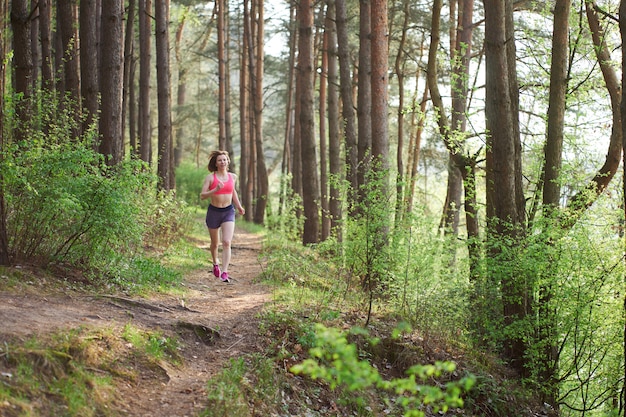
[
  {"x": 22, "y": 64},
  {"x": 145, "y": 124},
  {"x": 47, "y": 67},
  {"x": 261, "y": 170},
  {"x": 68, "y": 22},
  {"x": 34, "y": 43},
  {"x": 345, "y": 82},
  {"x": 228, "y": 106},
  {"x": 503, "y": 174},
  {"x": 244, "y": 108},
  {"x": 364, "y": 97},
  {"x": 323, "y": 102},
  {"x": 581, "y": 201},
  {"x": 286, "y": 167},
  {"x": 181, "y": 92},
  {"x": 221, "y": 72},
  {"x": 164, "y": 98},
  {"x": 4, "y": 238},
  {"x": 622, "y": 112},
  {"x": 111, "y": 79},
  {"x": 399, "y": 70},
  {"x": 129, "y": 52},
  {"x": 89, "y": 60},
  {"x": 310, "y": 183},
  {"x": 334, "y": 139}
]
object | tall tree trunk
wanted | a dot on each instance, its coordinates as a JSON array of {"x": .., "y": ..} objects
[
  {"x": 310, "y": 183},
  {"x": 181, "y": 92},
  {"x": 622, "y": 111},
  {"x": 364, "y": 97},
  {"x": 261, "y": 169},
  {"x": 379, "y": 83},
  {"x": 164, "y": 98},
  {"x": 47, "y": 65},
  {"x": 22, "y": 63},
  {"x": 228, "y": 105},
  {"x": 89, "y": 60},
  {"x": 67, "y": 18},
  {"x": 34, "y": 43},
  {"x": 129, "y": 52},
  {"x": 111, "y": 79},
  {"x": 145, "y": 123},
  {"x": 399, "y": 70},
  {"x": 345, "y": 82},
  {"x": 221, "y": 72},
  {"x": 581, "y": 201},
  {"x": 547, "y": 333},
  {"x": 323, "y": 103},
  {"x": 286, "y": 167},
  {"x": 4, "y": 238},
  {"x": 246, "y": 199},
  {"x": 503, "y": 174},
  {"x": 380, "y": 147},
  {"x": 334, "y": 139}
]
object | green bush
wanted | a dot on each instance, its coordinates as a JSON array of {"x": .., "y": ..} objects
[
  {"x": 65, "y": 206},
  {"x": 189, "y": 180}
]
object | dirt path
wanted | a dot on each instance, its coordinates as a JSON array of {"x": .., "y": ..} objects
[{"x": 231, "y": 309}]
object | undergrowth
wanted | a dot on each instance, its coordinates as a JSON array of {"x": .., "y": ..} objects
[
  {"x": 76, "y": 373},
  {"x": 323, "y": 361}
]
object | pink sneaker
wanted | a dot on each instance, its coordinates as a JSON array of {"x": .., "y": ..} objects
[
  {"x": 225, "y": 277},
  {"x": 216, "y": 270}
]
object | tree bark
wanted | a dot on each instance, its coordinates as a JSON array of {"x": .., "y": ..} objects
[
  {"x": 323, "y": 103},
  {"x": 334, "y": 140},
  {"x": 503, "y": 173},
  {"x": 164, "y": 97},
  {"x": 5, "y": 258},
  {"x": 345, "y": 82},
  {"x": 145, "y": 123},
  {"x": 89, "y": 60},
  {"x": 22, "y": 64},
  {"x": 129, "y": 52},
  {"x": 221, "y": 72},
  {"x": 68, "y": 22},
  {"x": 181, "y": 93},
  {"x": 47, "y": 67},
  {"x": 310, "y": 183},
  {"x": 261, "y": 169},
  {"x": 364, "y": 97},
  {"x": 111, "y": 79}
]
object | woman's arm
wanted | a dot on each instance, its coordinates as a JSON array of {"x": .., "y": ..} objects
[
  {"x": 238, "y": 205},
  {"x": 206, "y": 193}
]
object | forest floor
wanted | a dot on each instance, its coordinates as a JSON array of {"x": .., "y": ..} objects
[{"x": 229, "y": 309}]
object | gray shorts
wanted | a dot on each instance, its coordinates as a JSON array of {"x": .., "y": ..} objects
[{"x": 215, "y": 216}]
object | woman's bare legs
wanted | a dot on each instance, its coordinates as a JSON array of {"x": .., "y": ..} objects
[
  {"x": 215, "y": 240},
  {"x": 228, "y": 230}
]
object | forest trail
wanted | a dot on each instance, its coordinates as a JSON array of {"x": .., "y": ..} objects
[{"x": 174, "y": 391}]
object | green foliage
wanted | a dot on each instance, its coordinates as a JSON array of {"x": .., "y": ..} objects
[
  {"x": 287, "y": 221},
  {"x": 337, "y": 362},
  {"x": 54, "y": 367},
  {"x": 167, "y": 220},
  {"x": 65, "y": 206},
  {"x": 153, "y": 344},
  {"x": 189, "y": 180},
  {"x": 245, "y": 387}
]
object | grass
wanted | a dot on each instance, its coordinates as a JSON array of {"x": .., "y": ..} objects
[{"x": 75, "y": 373}]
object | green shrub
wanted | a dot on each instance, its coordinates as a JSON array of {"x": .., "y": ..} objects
[
  {"x": 189, "y": 180},
  {"x": 337, "y": 362}
]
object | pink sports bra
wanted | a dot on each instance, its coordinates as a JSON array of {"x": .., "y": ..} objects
[{"x": 228, "y": 187}]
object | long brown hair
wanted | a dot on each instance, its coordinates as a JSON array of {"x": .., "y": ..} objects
[{"x": 213, "y": 159}]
